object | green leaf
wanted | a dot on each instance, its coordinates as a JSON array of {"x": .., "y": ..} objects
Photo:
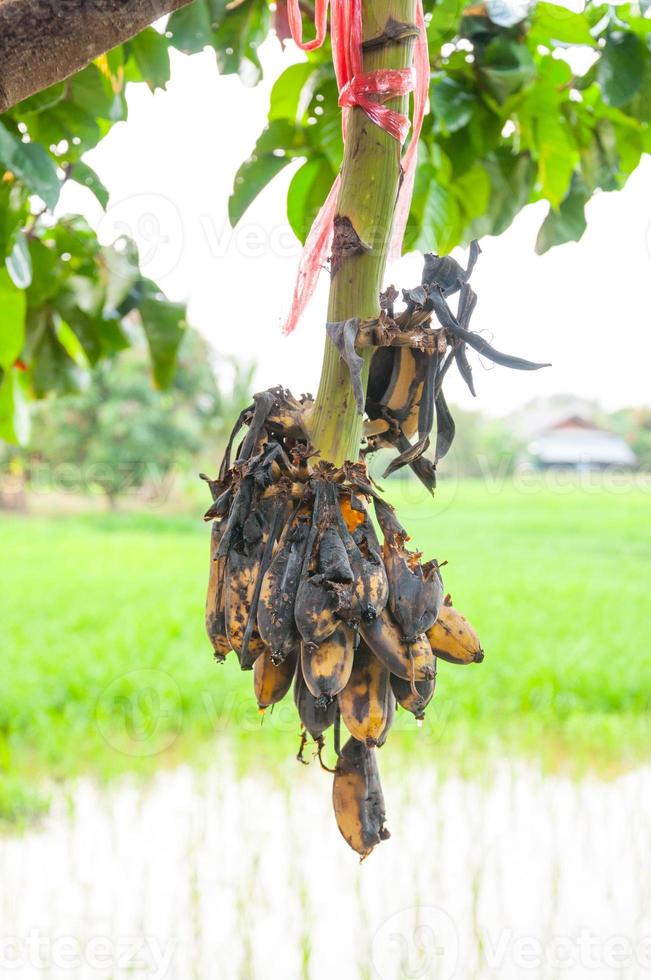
[
  {"x": 12, "y": 334},
  {"x": 47, "y": 273},
  {"x": 14, "y": 416},
  {"x": 164, "y": 325},
  {"x": 473, "y": 190},
  {"x": 151, "y": 53},
  {"x": 442, "y": 224},
  {"x": 452, "y": 106},
  {"x": 70, "y": 343},
  {"x": 191, "y": 28},
  {"x": 307, "y": 191},
  {"x": 92, "y": 91},
  {"x": 31, "y": 163},
  {"x": 52, "y": 369},
  {"x": 19, "y": 263},
  {"x": 620, "y": 69},
  {"x": 279, "y": 142},
  {"x": 552, "y": 22},
  {"x": 82, "y": 174},
  {"x": 42, "y": 101},
  {"x": 324, "y": 135},
  {"x": 511, "y": 177},
  {"x": 237, "y": 34},
  {"x": 507, "y": 66},
  {"x": 287, "y": 100},
  {"x": 123, "y": 273},
  {"x": 557, "y": 157},
  {"x": 566, "y": 224},
  {"x": 444, "y": 23}
]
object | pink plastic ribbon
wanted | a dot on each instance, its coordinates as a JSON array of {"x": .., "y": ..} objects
[{"x": 369, "y": 91}]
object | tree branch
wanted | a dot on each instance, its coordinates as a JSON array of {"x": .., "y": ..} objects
[{"x": 45, "y": 41}]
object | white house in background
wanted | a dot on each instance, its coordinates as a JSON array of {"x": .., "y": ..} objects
[{"x": 575, "y": 442}]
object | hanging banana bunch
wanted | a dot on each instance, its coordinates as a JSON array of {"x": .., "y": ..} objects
[{"x": 303, "y": 588}]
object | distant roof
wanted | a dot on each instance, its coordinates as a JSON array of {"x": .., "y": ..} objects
[
  {"x": 575, "y": 422},
  {"x": 577, "y": 441}
]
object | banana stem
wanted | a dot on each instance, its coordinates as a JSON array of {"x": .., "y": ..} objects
[{"x": 370, "y": 180}]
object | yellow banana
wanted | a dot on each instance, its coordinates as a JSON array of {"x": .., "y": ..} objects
[
  {"x": 327, "y": 666},
  {"x": 357, "y": 798},
  {"x": 367, "y": 700},
  {"x": 271, "y": 682},
  {"x": 411, "y": 661},
  {"x": 452, "y": 637}
]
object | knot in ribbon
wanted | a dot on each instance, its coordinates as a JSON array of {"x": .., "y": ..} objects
[{"x": 370, "y": 90}]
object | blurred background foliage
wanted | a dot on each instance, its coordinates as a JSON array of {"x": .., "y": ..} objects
[
  {"x": 527, "y": 103},
  {"x": 120, "y": 437}
]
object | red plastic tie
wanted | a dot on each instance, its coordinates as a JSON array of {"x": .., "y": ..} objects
[{"x": 370, "y": 90}]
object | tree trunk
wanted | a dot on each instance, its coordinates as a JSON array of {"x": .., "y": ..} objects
[
  {"x": 369, "y": 188},
  {"x": 46, "y": 41}
]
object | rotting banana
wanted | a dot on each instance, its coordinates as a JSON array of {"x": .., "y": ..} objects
[
  {"x": 411, "y": 661},
  {"x": 452, "y": 637},
  {"x": 327, "y": 666},
  {"x": 367, "y": 701},
  {"x": 276, "y": 623},
  {"x": 357, "y": 798},
  {"x": 370, "y": 588},
  {"x": 215, "y": 619},
  {"x": 415, "y": 590},
  {"x": 315, "y": 716},
  {"x": 317, "y": 605},
  {"x": 243, "y": 569},
  {"x": 416, "y": 703},
  {"x": 272, "y": 681}
]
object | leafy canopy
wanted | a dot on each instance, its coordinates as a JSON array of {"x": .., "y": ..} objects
[
  {"x": 513, "y": 120},
  {"x": 547, "y": 105},
  {"x": 120, "y": 434}
]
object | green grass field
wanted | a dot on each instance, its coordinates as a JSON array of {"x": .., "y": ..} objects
[{"x": 105, "y": 665}]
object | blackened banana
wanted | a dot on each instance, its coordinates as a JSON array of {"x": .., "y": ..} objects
[
  {"x": 415, "y": 590},
  {"x": 370, "y": 589},
  {"x": 327, "y": 666},
  {"x": 272, "y": 681},
  {"x": 243, "y": 567},
  {"x": 358, "y": 799},
  {"x": 215, "y": 618},
  {"x": 317, "y": 604},
  {"x": 367, "y": 700},
  {"x": 316, "y": 717},
  {"x": 410, "y": 701},
  {"x": 276, "y": 623},
  {"x": 411, "y": 661}
]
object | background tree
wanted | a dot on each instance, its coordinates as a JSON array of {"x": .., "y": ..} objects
[
  {"x": 527, "y": 104},
  {"x": 120, "y": 434},
  {"x": 634, "y": 424}
]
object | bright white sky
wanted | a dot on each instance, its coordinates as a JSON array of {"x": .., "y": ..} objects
[{"x": 585, "y": 307}]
